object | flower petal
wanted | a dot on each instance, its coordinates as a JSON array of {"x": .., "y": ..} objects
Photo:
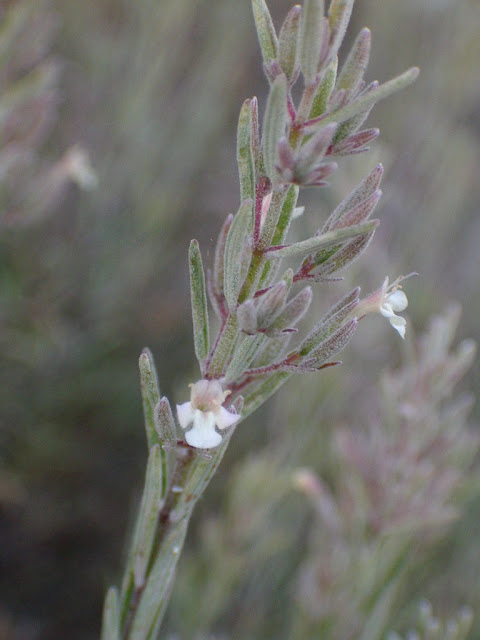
[
  {"x": 225, "y": 419},
  {"x": 398, "y": 300},
  {"x": 399, "y": 324},
  {"x": 185, "y": 414},
  {"x": 203, "y": 434},
  {"x": 386, "y": 310}
]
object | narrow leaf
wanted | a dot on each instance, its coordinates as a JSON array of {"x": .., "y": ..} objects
[
  {"x": 271, "y": 304},
  {"x": 330, "y": 322},
  {"x": 286, "y": 215},
  {"x": 369, "y": 99},
  {"x": 294, "y": 310},
  {"x": 306, "y": 247},
  {"x": 243, "y": 356},
  {"x": 218, "y": 263},
  {"x": 312, "y": 152},
  {"x": 355, "y": 65},
  {"x": 167, "y": 432},
  {"x": 311, "y": 37},
  {"x": 263, "y": 391},
  {"x": 110, "y": 620},
  {"x": 273, "y": 349},
  {"x": 238, "y": 251},
  {"x": 355, "y": 143},
  {"x": 158, "y": 585},
  {"x": 275, "y": 212},
  {"x": 339, "y": 14},
  {"x": 324, "y": 91},
  {"x": 274, "y": 124},
  {"x": 288, "y": 42},
  {"x": 265, "y": 31},
  {"x": 364, "y": 190},
  {"x": 360, "y": 213},
  {"x": 148, "y": 517},
  {"x": 150, "y": 395},
  {"x": 350, "y": 126},
  {"x": 345, "y": 256},
  {"x": 165, "y": 424},
  {"x": 247, "y": 317},
  {"x": 199, "y": 302},
  {"x": 280, "y": 234},
  {"x": 245, "y": 158},
  {"x": 332, "y": 345}
]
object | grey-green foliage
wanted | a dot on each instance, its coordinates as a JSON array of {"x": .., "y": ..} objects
[
  {"x": 198, "y": 296},
  {"x": 292, "y": 150}
]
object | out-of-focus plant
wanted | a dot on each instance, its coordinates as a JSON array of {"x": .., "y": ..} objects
[
  {"x": 248, "y": 359},
  {"x": 397, "y": 486},
  {"x": 431, "y": 627},
  {"x": 31, "y": 189}
]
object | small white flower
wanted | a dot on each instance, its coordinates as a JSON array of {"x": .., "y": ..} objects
[
  {"x": 386, "y": 301},
  {"x": 394, "y": 299},
  {"x": 205, "y": 412}
]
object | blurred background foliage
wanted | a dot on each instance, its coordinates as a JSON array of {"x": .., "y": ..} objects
[{"x": 149, "y": 93}]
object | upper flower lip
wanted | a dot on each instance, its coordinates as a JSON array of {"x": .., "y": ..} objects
[{"x": 396, "y": 300}]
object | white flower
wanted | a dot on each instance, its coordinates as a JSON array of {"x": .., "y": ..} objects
[
  {"x": 386, "y": 301},
  {"x": 205, "y": 412},
  {"x": 394, "y": 299}
]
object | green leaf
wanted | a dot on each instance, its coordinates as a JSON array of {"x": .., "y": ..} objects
[
  {"x": 165, "y": 424},
  {"x": 263, "y": 391},
  {"x": 342, "y": 257},
  {"x": 274, "y": 124},
  {"x": 238, "y": 252},
  {"x": 311, "y": 38},
  {"x": 355, "y": 65},
  {"x": 331, "y": 321},
  {"x": 369, "y": 99},
  {"x": 281, "y": 230},
  {"x": 332, "y": 345},
  {"x": 243, "y": 356},
  {"x": 294, "y": 310},
  {"x": 110, "y": 621},
  {"x": 216, "y": 290},
  {"x": 288, "y": 42},
  {"x": 312, "y": 245},
  {"x": 148, "y": 517},
  {"x": 245, "y": 156},
  {"x": 362, "y": 192},
  {"x": 265, "y": 31},
  {"x": 339, "y": 14},
  {"x": 273, "y": 349},
  {"x": 150, "y": 395},
  {"x": 324, "y": 91},
  {"x": 199, "y": 302},
  {"x": 157, "y": 589},
  {"x": 272, "y": 303},
  {"x": 167, "y": 432},
  {"x": 247, "y": 317}
]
